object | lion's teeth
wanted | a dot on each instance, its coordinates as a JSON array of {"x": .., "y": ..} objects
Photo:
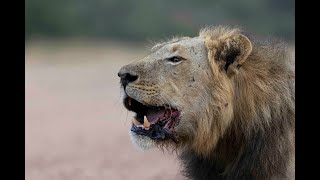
[
  {"x": 136, "y": 122},
  {"x": 129, "y": 101},
  {"x": 146, "y": 123}
]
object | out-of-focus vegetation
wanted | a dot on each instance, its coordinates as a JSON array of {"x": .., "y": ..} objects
[{"x": 140, "y": 20}]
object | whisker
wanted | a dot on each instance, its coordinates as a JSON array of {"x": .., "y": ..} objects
[
  {"x": 116, "y": 102},
  {"x": 126, "y": 118}
]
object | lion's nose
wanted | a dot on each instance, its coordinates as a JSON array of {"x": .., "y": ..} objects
[{"x": 126, "y": 78}]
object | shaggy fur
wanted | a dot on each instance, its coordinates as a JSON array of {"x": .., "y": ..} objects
[{"x": 237, "y": 100}]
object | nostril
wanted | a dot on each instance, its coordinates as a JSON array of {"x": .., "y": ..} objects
[
  {"x": 126, "y": 78},
  {"x": 130, "y": 77}
]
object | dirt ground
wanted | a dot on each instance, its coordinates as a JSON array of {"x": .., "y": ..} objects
[{"x": 76, "y": 126}]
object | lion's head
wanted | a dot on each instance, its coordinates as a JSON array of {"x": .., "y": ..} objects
[
  {"x": 226, "y": 101},
  {"x": 183, "y": 91}
]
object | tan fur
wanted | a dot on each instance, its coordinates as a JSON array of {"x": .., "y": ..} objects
[{"x": 255, "y": 94}]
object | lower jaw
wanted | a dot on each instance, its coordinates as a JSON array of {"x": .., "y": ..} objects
[
  {"x": 142, "y": 142},
  {"x": 156, "y": 132}
]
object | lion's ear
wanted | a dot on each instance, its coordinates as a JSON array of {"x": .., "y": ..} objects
[{"x": 232, "y": 52}]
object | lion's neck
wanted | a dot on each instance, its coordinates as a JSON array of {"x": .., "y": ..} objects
[
  {"x": 237, "y": 156},
  {"x": 260, "y": 140}
]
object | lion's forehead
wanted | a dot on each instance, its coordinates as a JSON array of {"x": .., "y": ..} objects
[
  {"x": 193, "y": 46},
  {"x": 189, "y": 43},
  {"x": 196, "y": 41}
]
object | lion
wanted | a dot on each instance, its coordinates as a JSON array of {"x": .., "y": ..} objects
[{"x": 223, "y": 100}]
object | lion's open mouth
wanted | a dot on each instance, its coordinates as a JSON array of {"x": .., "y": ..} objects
[{"x": 158, "y": 123}]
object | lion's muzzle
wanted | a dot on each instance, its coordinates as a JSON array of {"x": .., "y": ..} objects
[{"x": 127, "y": 75}]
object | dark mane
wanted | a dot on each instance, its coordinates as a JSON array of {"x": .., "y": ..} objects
[
  {"x": 258, "y": 143},
  {"x": 241, "y": 158}
]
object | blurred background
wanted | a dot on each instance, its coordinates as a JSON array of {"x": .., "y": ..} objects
[{"x": 76, "y": 126}]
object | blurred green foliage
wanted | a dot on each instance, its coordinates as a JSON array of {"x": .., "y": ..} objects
[{"x": 140, "y": 20}]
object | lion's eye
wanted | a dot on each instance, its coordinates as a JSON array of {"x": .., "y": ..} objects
[{"x": 174, "y": 59}]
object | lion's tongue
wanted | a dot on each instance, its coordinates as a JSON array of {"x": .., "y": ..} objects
[{"x": 154, "y": 115}]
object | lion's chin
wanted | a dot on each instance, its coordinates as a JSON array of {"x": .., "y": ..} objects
[{"x": 143, "y": 143}]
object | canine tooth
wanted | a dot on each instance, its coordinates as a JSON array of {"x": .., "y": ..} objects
[
  {"x": 129, "y": 101},
  {"x": 136, "y": 122},
  {"x": 146, "y": 123}
]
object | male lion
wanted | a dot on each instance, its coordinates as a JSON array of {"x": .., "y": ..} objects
[{"x": 223, "y": 101}]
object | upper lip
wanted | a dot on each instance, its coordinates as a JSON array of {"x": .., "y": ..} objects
[
  {"x": 135, "y": 106},
  {"x": 154, "y": 113}
]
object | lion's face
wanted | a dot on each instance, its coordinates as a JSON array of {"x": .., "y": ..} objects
[
  {"x": 180, "y": 95},
  {"x": 167, "y": 87}
]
